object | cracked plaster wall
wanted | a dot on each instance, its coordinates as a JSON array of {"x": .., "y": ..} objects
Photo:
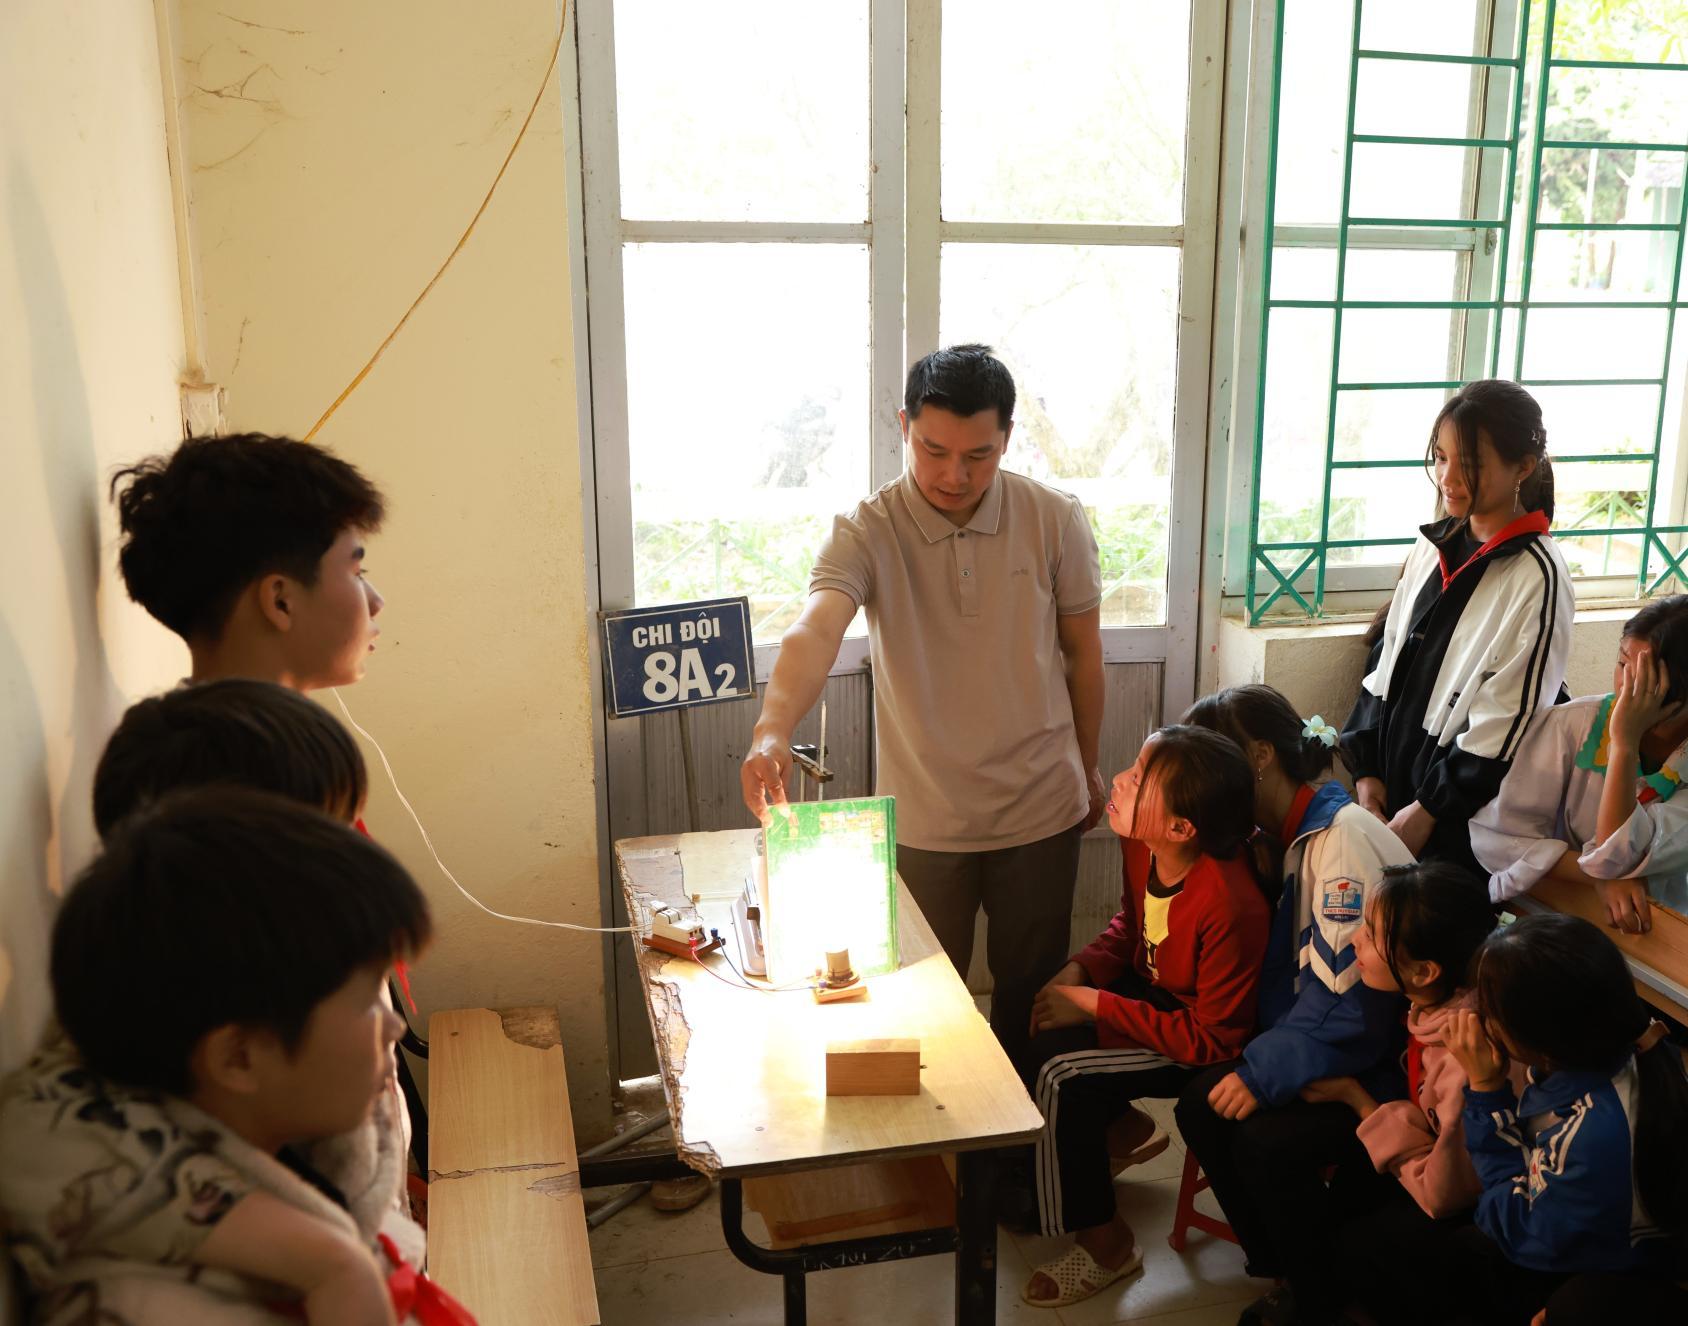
[{"x": 335, "y": 152}]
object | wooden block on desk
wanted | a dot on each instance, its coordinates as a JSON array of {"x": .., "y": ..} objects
[{"x": 873, "y": 1068}]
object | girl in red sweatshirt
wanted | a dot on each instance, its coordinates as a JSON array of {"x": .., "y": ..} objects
[{"x": 1168, "y": 987}]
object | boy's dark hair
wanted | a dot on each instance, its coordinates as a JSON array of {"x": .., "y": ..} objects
[
  {"x": 247, "y": 733},
  {"x": 1432, "y": 912},
  {"x": 204, "y": 522},
  {"x": 1663, "y": 624},
  {"x": 1512, "y": 419},
  {"x": 1259, "y": 713},
  {"x": 962, "y": 379},
  {"x": 1205, "y": 778},
  {"x": 1560, "y": 989},
  {"x": 214, "y": 907}
]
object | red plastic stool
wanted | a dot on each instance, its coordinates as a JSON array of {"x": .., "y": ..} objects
[{"x": 1186, "y": 1217}]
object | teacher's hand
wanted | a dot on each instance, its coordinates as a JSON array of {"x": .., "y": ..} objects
[{"x": 763, "y": 773}]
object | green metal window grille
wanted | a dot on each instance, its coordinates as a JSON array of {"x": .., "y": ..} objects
[{"x": 1290, "y": 574}]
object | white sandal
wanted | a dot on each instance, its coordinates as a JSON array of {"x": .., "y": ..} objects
[{"x": 1077, "y": 1276}]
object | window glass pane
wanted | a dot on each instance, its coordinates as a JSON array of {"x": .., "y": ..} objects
[
  {"x": 744, "y": 439},
  {"x": 1627, "y": 186},
  {"x": 1599, "y": 265},
  {"x": 1294, "y": 422},
  {"x": 1435, "y": 27},
  {"x": 1400, "y": 345},
  {"x": 1313, "y": 112},
  {"x": 1594, "y": 343},
  {"x": 1586, "y": 421},
  {"x": 1622, "y": 105},
  {"x": 1388, "y": 425},
  {"x": 1424, "y": 100},
  {"x": 1417, "y": 183},
  {"x": 1091, "y": 336},
  {"x": 1650, "y": 32},
  {"x": 1617, "y": 556},
  {"x": 1309, "y": 273},
  {"x": 1378, "y": 504},
  {"x": 756, "y": 110},
  {"x": 1074, "y": 113}
]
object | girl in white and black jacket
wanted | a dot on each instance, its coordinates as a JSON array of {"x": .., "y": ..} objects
[{"x": 1478, "y": 634}]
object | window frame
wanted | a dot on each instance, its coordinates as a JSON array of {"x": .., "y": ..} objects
[
  {"x": 1174, "y": 641},
  {"x": 904, "y": 234},
  {"x": 1361, "y": 589}
]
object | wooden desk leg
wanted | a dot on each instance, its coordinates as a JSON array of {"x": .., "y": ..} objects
[{"x": 975, "y": 1258}]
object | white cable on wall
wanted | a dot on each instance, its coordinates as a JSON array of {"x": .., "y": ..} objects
[{"x": 446, "y": 870}]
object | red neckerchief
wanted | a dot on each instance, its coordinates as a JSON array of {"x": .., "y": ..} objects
[
  {"x": 1531, "y": 522},
  {"x": 401, "y": 971},
  {"x": 1415, "y": 1067},
  {"x": 1297, "y": 813},
  {"x": 413, "y": 1295}
]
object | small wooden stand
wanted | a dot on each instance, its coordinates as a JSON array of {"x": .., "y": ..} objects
[{"x": 873, "y": 1068}]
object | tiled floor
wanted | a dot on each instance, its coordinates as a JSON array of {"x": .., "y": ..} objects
[{"x": 656, "y": 1268}]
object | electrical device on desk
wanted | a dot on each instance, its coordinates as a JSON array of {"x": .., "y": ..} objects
[
  {"x": 810, "y": 761},
  {"x": 821, "y": 898},
  {"x": 680, "y": 931}
]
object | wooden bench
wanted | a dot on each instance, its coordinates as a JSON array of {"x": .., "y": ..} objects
[{"x": 506, "y": 1220}]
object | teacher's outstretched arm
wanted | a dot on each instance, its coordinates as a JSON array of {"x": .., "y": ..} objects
[{"x": 808, "y": 650}]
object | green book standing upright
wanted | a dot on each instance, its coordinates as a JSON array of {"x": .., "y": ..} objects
[{"x": 832, "y": 884}]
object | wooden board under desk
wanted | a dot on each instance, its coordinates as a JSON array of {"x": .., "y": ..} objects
[
  {"x": 1662, "y": 951},
  {"x": 744, "y": 1071}
]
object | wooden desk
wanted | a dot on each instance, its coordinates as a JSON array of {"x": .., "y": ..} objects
[
  {"x": 743, "y": 1070},
  {"x": 1658, "y": 960}
]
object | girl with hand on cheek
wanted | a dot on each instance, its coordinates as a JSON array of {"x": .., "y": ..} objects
[{"x": 1592, "y": 799}]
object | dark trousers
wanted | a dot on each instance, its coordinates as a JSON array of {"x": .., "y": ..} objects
[
  {"x": 1081, "y": 1088},
  {"x": 1399, "y": 1261},
  {"x": 1027, "y": 894},
  {"x": 1267, "y": 1172}
]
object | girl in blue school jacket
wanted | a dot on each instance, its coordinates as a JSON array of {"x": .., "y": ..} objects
[
  {"x": 1262, "y": 1146},
  {"x": 1586, "y": 1171}
]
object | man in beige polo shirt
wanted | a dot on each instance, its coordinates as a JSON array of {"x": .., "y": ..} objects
[{"x": 983, "y": 592}]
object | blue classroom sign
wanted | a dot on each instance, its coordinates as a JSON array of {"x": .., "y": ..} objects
[{"x": 675, "y": 657}]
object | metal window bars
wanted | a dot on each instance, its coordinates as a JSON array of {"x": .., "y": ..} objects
[{"x": 1288, "y": 564}]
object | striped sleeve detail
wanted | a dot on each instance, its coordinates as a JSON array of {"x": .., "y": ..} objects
[{"x": 1546, "y": 619}]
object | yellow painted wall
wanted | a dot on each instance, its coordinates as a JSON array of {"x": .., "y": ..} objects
[
  {"x": 91, "y": 346},
  {"x": 335, "y": 153}
]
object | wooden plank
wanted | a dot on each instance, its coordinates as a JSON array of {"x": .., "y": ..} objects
[
  {"x": 493, "y": 1101},
  {"x": 506, "y": 1222},
  {"x": 1662, "y": 950},
  {"x": 873, "y": 1068},
  {"x": 511, "y": 1245},
  {"x": 855, "y": 1201},
  {"x": 744, "y": 1070}
]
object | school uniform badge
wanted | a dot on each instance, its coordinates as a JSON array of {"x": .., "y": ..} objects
[{"x": 1342, "y": 900}]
